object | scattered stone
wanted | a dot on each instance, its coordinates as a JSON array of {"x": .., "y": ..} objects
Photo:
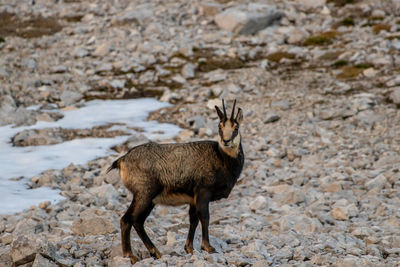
[
  {"x": 119, "y": 261},
  {"x": 41, "y": 261},
  {"x": 259, "y": 203},
  {"x": 377, "y": 183},
  {"x": 69, "y": 97},
  {"x": 6, "y": 239},
  {"x": 339, "y": 213},
  {"x": 271, "y": 117},
  {"x": 297, "y": 36},
  {"x": 370, "y": 72},
  {"x": 282, "y": 104},
  {"x": 209, "y": 8},
  {"x": 311, "y": 3},
  {"x": 105, "y": 194},
  {"x": 188, "y": 71},
  {"x": 102, "y": 50},
  {"x": 80, "y": 52},
  {"x": 24, "y": 249},
  {"x": 395, "y": 95}
]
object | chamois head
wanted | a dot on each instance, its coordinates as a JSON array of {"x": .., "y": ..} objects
[{"x": 228, "y": 130}]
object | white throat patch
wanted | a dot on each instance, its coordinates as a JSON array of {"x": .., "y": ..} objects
[{"x": 233, "y": 149}]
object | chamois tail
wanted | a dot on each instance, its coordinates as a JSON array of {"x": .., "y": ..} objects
[{"x": 114, "y": 165}]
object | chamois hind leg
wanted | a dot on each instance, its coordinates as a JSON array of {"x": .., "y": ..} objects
[
  {"x": 194, "y": 221},
  {"x": 203, "y": 213},
  {"x": 135, "y": 216},
  {"x": 140, "y": 213},
  {"x": 126, "y": 226}
]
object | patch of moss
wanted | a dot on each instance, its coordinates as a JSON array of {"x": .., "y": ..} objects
[
  {"x": 381, "y": 27},
  {"x": 349, "y": 72},
  {"x": 207, "y": 60},
  {"x": 277, "y": 56},
  {"x": 331, "y": 34},
  {"x": 226, "y": 63},
  {"x": 32, "y": 27},
  {"x": 74, "y": 18},
  {"x": 347, "y": 22},
  {"x": 393, "y": 37},
  {"x": 340, "y": 63},
  {"x": 317, "y": 40},
  {"x": 331, "y": 56},
  {"x": 323, "y": 38},
  {"x": 363, "y": 66},
  {"x": 375, "y": 18}
]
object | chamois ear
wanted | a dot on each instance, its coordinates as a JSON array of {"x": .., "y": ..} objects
[
  {"x": 220, "y": 114},
  {"x": 239, "y": 116}
]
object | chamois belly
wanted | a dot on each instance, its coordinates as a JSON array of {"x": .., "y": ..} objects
[{"x": 172, "y": 199}]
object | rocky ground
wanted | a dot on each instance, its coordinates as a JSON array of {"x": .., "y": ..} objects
[{"x": 319, "y": 84}]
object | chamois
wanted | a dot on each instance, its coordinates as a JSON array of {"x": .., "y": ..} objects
[{"x": 192, "y": 173}]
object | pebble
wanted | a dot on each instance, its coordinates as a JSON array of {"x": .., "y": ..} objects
[
  {"x": 395, "y": 95},
  {"x": 259, "y": 203}
]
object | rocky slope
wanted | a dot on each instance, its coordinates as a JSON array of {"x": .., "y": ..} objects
[{"x": 319, "y": 84}]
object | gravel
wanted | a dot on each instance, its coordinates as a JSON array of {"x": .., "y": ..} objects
[{"x": 319, "y": 88}]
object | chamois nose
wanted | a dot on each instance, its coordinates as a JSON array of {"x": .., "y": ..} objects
[{"x": 226, "y": 141}]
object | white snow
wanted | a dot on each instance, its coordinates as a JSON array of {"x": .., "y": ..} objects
[{"x": 30, "y": 161}]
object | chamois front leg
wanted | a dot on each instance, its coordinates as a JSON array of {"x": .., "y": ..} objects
[
  {"x": 203, "y": 213},
  {"x": 194, "y": 221}
]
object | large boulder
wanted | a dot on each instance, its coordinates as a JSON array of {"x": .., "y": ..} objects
[{"x": 247, "y": 19}]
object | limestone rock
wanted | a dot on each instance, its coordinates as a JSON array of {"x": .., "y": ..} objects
[
  {"x": 119, "y": 261},
  {"x": 41, "y": 261},
  {"x": 259, "y": 203},
  {"x": 94, "y": 225},
  {"x": 270, "y": 117},
  {"x": 241, "y": 21},
  {"x": 395, "y": 95},
  {"x": 377, "y": 183},
  {"x": 69, "y": 97},
  {"x": 209, "y": 8},
  {"x": 106, "y": 193},
  {"x": 25, "y": 248},
  {"x": 339, "y": 213}
]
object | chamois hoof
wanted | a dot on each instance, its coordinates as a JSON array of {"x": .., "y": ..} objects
[
  {"x": 132, "y": 257},
  {"x": 209, "y": 249},
  {"x": 189, "y": 249},
  {"x": 156, "y": 254}
]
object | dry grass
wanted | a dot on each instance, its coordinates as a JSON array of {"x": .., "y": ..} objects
[{"x": 381, "y": 27}]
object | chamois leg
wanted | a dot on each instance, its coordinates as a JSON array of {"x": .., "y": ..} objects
[
  {"x": 139, "y": 217},
  {"x": 203, "y": 213},
  {"x": 126, "y": 226},
  {"x": 194, "y": 221},
  {"x": 136, "y": 215}
]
